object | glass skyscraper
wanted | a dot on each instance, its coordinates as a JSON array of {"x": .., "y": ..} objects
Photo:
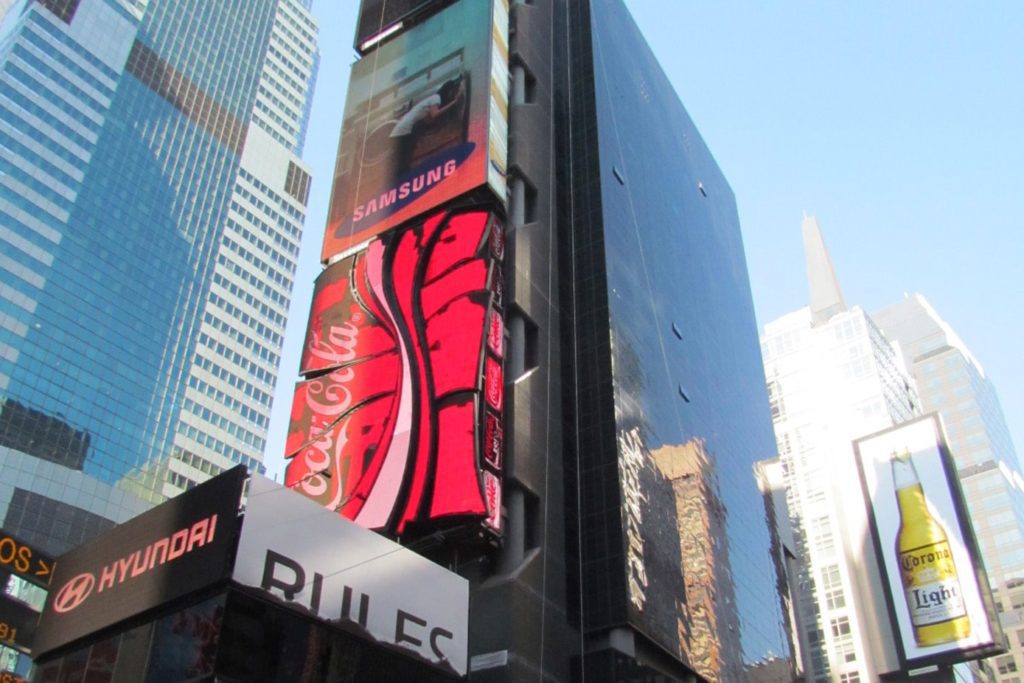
[
  {"x": 832, "y": 377},
  {"x": 151, "y": 204}
]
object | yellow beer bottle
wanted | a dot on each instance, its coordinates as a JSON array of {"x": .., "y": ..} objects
[{"x": 930, "y": 582}]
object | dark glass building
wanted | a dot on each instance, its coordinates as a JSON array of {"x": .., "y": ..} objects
[{"x": 636, "y": 543}]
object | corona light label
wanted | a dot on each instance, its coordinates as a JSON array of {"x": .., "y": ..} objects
[{"x": 930, "y": 582}]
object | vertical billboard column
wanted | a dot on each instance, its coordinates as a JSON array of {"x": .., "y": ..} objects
[
  {"x": 425, "y": 122},
  {"x": 931, "y": 571},
  {"x": 398, "y": 424}
]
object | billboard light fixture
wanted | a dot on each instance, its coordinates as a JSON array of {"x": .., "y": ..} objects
[{"x": 383, "y": 35}]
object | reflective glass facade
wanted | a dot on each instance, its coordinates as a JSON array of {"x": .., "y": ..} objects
[
  {"x": 669, "y": 413},
  {"x": 150, "y": 210}
]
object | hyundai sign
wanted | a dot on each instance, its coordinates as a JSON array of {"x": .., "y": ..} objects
[{"x": 170, "y": 551}]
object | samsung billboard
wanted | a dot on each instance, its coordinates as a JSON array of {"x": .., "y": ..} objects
[
  {"x": 935, "y": 584},
  {"x": 426, "y": 120}
]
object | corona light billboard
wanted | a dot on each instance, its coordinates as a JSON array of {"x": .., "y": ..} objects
[
  {"x": 426, "y": 120},
  {"x": 398, "y": 424},
  {"x": 933, "y": 578}
]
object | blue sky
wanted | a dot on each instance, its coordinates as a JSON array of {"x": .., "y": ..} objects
[{"x": 899, "y": 125}]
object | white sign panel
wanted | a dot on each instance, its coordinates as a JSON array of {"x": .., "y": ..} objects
[
  {"x": 926, "y": 561},
  {"x": 319, "y": 562}
]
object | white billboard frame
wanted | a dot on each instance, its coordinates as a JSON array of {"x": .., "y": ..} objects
[{"x": 925, "y": 440}]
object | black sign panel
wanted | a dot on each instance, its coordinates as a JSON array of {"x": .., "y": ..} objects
[
  {"x": 175, "y": 549},
  {"x": 17, "y": 624},
  {"x": 377, "y": 16},
  {"x": 21, "y": 559}
]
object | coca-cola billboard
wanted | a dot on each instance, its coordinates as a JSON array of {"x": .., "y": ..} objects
[{"x": 399, "y": 415}]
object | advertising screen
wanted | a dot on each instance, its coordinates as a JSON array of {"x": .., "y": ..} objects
[
  {"x": 425, "y": 121},
  {"x": 168, "y": 552},
  {"x": 400, "y": 415},
  {"x": 934, "y": 580},
  {"x": 17, "y": 623},
  {"x": 356, "y": 579},
  {"x": 23, "y": 560}
]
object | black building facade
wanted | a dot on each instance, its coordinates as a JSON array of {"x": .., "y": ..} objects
[{"x": 632, "y": 318}]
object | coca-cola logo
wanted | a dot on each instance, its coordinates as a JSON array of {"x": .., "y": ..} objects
[{"x": 74, "y": 593}]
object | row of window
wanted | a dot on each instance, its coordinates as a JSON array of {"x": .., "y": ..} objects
[
  {"x": 242, "y": 294},
  {"x": 58, "y": 175},
  {"x": 238, "y": 359},
  {"x": 260, "y": 284},
  {"x": 269, "y": 129},
  {"x": 230, "y": 402},
  {"x": 84, "y": 98},
  {"x": 300, "y": 20},
  {"x": 273, "y": 274},
  {"x": 41, "y": 189},
  {"x": 288, "y": 78},
  {"x": 181, "y": 481},
  {"x": 272, "y": 115},
  {"x": 216, "y": 445},
  {"x": 218, "y": 420},
  {"x": 287, "y": 245},
  {"x": 31, "y": 131},
  {"x": 294, "y": 101},
  {"x": 285, "y": 205},
  {"x": 288, "y": 63},
  {"x": 285, "y": 224},
  {"x": 58, "y": 55},
  {"x": 233, "y": 380},
  {"x": 275, "y": 256},
  {"x": 38, "y": 91},
  {"x": 260, "y": 397},
  {"x": 258, "y": 349},
  {"x": 307, "y": 41},
  {"x": 70, "y": 44},
  {"x": 192, "y": 460},
  {"x": 247, "y": 319},
  {"x": 285, "y": 50}
]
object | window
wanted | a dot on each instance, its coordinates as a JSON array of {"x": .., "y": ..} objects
[
  {"x": 841, "y": 627},
  {"x": 832, "y": 587},
  {"x": 1006, "y": 665}
]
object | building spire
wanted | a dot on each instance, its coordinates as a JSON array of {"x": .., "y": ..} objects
[{"x": 826, "y": 297}]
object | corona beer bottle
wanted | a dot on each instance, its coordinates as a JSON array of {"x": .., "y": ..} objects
[{"x": 930, "y": 582}]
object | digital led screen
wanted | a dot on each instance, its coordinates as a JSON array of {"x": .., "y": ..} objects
[
  {"x": 425, "y": 121},
  {"x": 165, "y": 553},
  {"x": 25, "y": 561},
  {"x": 400, "y": 412},
  {"x": 17, "y": 624},
  {"x": 929, "y": 560}
]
